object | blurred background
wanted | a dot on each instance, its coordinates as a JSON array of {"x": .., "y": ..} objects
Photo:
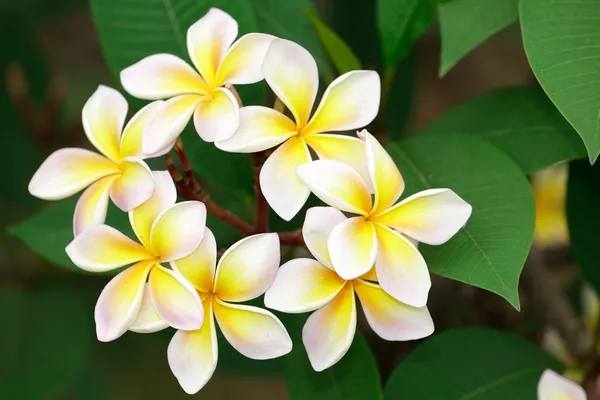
[{"x": 51, "y": 62}]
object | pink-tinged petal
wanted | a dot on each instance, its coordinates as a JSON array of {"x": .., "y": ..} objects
[
  {"x": 242, "y": 63},
  {"x": 328, "y": 332},
  {"x": 120, "y": 301},
  {"x": 254, "y": 332},
  {"x": 199, "y": 267},
  {"x": 175, "y": 299},
  {"x": 247, "y": 269},
  {"x": 338, "y": 185},
  {"x": 103, "y": 248},
  {"x": 147, "y": 320},
  {"x": 432, "y": 216},
  {"x": 401, "y": 270},
  {"x": 133, "y": 134},
  {"x": 103, "y": 117},
  {"x": 217, "y": 117},
  {"x": 142, "y": 217},
  {"x": 208, "y": 41},
  {"x": 133, "y": 186},
  {"x": 552, "y": 386},
  {"x": 387, "y": 181},
  {"x": 352, "y": 247},
  {"x": 318, "y": 224},
  {"x": 178, "y": 230},
  {"x": 169, "y": 121},
  {"x": 350, "y": 102},
  {"x": 390, "y": 318},
  {"x": 92, "y": 205},
  {"x": 260, "y": 128},
  {"x": 292, "y": 74},
  {"x": 283, "y": 189},
  {"x": 67, "y": 171},
  {"x": 303, "y": 285},
  {"x": 161, "y": 76}
]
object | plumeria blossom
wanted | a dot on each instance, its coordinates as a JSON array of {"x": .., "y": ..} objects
[
  {"x": 350, "y": 102},
  {"x": 118, "y": 172},
  {"x": 243, "y": 273},
  {"x": 218, "y": 62},
  {"x": 166, "y": 231},
  {"x": 378, "y": 232},
  {"x": 552, "y": 386},
  {"x": 305, "y": 284}
]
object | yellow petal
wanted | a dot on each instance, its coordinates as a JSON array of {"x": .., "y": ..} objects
[
  {"x": 352, "y": 247},
  {"x": 133, "y": 186},
  {"x": 242, "y": 63},
  {"x": 148, "y": 320},
  {"x": 131, "y": 140},
  {"x": 92, "y": 205},
  {"x": 217, "y": 117},
  {"x": 199, "y": 267},
  {"x": 318, "y": 224}
]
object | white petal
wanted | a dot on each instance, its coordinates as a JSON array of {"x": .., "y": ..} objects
[
  {"x": 148, "y": 320},
  {"x": 318, "y": 224},
  {"x": 92, "y": 205},
  {"x": 133, "y": 134},
  {"x": 199, "y": 267},
  {"x": 352, "y": 246},
  {"x": 133, "y": 186},
  {"x": 217, "y": 117},
  {"x": 243, "y": 61},
  {"x": 552, "y": 386}
]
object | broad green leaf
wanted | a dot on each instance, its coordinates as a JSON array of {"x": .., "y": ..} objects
[
  {"x": 561, "y": 42},
  {"x": 490, "y": 251},
  {"x": 401, "y": 23},
  {"x": 397, "y": 96},
  {"x": 339, "y": 52},
  {"x": 474, "y": 364},
  {"x": 521, "y": 121},
  {"x": 465, "y": 24}
]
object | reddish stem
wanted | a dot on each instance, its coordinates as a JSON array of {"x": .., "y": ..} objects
[{"x": 292, "y": 238}]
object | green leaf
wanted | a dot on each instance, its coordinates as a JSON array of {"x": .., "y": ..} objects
[
  {"x": 474, "y": 364},
  {"x": 465, "y": 24},
  {"x": 561, "y": 42},
  {"x": 521, "y": 121},
  {"x": 401, "y": 23},
  {"x": 339, "y": 52},
  {"x": 490, "y": 251},
  {"x": 354, "y": 377}
]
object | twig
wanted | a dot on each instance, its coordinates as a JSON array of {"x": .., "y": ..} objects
[
  {"x": 292, "y": 238},
  {"x": 187, "y": 168}
]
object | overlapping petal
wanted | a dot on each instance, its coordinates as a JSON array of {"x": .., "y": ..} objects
[
  {"x": 353, "y": 247},
  {"x": 217, "y": 116},
  {"x": 199, "y": 267},
  {"x": 247, "y": 269},
  {"x": 92, "y": 205},
  {"x": 318, "y": 224},
  {"x": 147, "y": 319},
  {"x": 133, "y": 186},
  {"x": 552, "y": 386},
  {"x": 133, "y": 134},
  {"x": 243, "y": 61}
]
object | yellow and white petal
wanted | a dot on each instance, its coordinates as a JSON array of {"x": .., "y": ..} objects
[
  {"x": 338, "y": 185},
  {"x": 169, "y": 121},
  {"x": 193, "y": 355},
  {"x": 161, "y": 76},
  {"x": 283, "y": 189},
  {"x": 303, "y": 285},
  {"x": 243, "y": 61},
  {"x": 352, "y": 247},
  {"x": 147, "y": 320},
  {"x": 350, "y": 102},
  {"x": 260, "y": 128},
  {"x": 328, "y": 332},
  {"x": 199, "y": 267},
  {"x": 178, "y": 230},
  {"x": 142, "y": 217},
  {"x": 133, "y": 186},
  {"x": 254, "y": 332},
  {"x": 120, "y": 301},
  {"x": 175, "y": 299},
  {"x": 133, "y": 134},
  {"x": 92, "y": 205},
  {"x": 103, "y": 248},
  {"x": 552, "y": 386},
  {"x": 390, "y": 318},
  {"x": 247, "y": 269},
  {"x": 432, "y": 216},
  {"x": 67, "y": 171},
  {"x": 103, "y": 117},
  {"x": 318, "y": 224},
  {"x": 346, "y": 149},
  {"x": 387, "y": 181},
  {"x": 217, "y": 117},
  {"x": 292, "y": 74},
  {"x": 208, "y": 40},
  {"x": 401, "y": 270}
]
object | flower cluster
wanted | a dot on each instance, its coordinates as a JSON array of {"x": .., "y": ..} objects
[{"x": 363, "y": 243}]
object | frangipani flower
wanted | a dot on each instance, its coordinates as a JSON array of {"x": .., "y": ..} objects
[
  {"x": 167, "y": 231},
  {"x": 304, "y": 284},
  {"x": 350, "y": 102},
  {"x": 552, "y": 386},
  {"x": 244, "y": 272},
  {"x": 119, "y": 172},
  {"x": 376, "y": 235},
  {"x": 217, "y": 61}
]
